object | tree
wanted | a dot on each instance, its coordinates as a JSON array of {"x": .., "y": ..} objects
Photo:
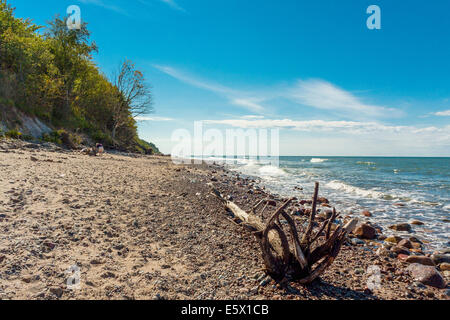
[
  {"x": 26, "y": 64},
  {"x": 134, "y": 96},
  {"x": 72, "y": 50},
  {"x": 53, "y": 77}
]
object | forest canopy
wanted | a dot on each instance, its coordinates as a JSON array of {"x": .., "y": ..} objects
[{"x": 49, "y": 73}]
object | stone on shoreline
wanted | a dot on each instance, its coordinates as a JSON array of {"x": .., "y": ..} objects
[
  {"x": 393, "y": 239},
  {"x": 426, "y": 261},
  {"x": 440, "y": 258},
  {"x": 356, "y": 241},
  {"x": 366, "y": 213},
  {"x": 401, "y": 227},
  {"x": 322, "y": 200},
  {"x": 405, "y": 243},
  {"x": 57, "y": 291},
  {"x": 444, "y": 266},
  {"x": 427, "y": 275},
  {"x": 414, "y": 239},
  {"x": 400, "y": 250},
  {"x": 365, "y": 231}
]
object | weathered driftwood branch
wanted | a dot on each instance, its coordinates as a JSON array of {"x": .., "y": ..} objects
[{"x": 297, "y": 260}]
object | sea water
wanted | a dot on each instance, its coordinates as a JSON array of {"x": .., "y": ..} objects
[{"x": 393, "y": 189}]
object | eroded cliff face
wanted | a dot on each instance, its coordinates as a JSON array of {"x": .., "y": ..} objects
[{"x": 13, "y": 119}]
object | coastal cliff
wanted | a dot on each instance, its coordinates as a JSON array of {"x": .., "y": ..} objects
[{"x": 52, "y": 90}]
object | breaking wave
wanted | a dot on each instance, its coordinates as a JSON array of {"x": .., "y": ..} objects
[{"x": 318, "y": 160}]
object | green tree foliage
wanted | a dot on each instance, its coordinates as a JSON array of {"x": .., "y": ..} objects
[{"x": 49, "y": 73}]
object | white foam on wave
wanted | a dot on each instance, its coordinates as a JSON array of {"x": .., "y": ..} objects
[
  {"x": 338, "y": 185},
  {"x": 318, "y": 160},
  {"x": 369, "y": 163},
  {"x": 271, "y": 171}
]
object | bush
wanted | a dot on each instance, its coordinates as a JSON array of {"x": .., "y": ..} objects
[
  {"x": 145, "y": 147},
  {"x": 27, "y": 137},
  {"x": 13, "y": 134},
  {"x": 62, "y": 137},
  {"x": 103, "y": 138},
  {"x": 53, "y": 137}
]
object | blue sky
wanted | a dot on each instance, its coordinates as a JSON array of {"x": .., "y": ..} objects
[{"x": 311, "y": 68}]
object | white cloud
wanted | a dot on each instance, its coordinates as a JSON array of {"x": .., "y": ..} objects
[
  {"x": 309, "y": 125},
  {"x": 349, "y": 138},
  {"x": 445, "y": 113},
  {"x": 236, "y": 97},
  {"x": 106, "y": 5},
  {"x": 142, "y": 118},
  {"x": 252, "y": 117},
  {"x": 217, "y": 88},
  {"x": 439, "y": 136},
  {"x": 318, "y": 94},
  {"x": 250, "y": 104},
  {"x": 324, "y": 95}
]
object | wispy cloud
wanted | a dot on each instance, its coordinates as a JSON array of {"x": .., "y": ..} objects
[
  {"x": 321, "y": 94},
  {"x": 143, "y": 118},
  {"x": 183, "y": 77},
  {"x": 315, "y": 93},
  {"x": 445, "y": 113},
  {"x": 243, "y": 99},
  {"x": 249, "y": 103},
  {"x": 106, "y": 5},
  {"x": 173, "y": 5},
  {"x": 252, "y": 117}
]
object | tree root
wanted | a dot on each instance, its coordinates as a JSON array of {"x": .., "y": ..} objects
[{"x": 295, "y": 260}]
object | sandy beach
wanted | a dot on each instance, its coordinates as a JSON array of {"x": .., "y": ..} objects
[{"x": 141, "y": 227}]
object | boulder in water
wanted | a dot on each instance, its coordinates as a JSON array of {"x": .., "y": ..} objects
[{"x": 401, "y": 227}]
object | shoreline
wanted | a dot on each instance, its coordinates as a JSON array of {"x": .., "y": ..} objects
[
  {"x": 141, "y": 227},
  {"x": 386, "y": 207}
]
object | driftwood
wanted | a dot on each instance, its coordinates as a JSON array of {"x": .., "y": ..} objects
[{"x": 295, "y": 259}]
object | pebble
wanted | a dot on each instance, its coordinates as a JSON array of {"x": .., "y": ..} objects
[
  {"x": 405, "y": 243},
  {"x": 264, "y": 282},
  {"x": 57, "y": 291},
  {"x": 382, "y": 252},
  {"x": 444, "y": 266},
  {"x": 366, "y": 213},
  {"x": 356, "y": 241},
  {"x": 393, "y": 239}
]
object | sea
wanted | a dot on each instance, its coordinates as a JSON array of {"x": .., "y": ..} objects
[{"x": 393, "y": 189}]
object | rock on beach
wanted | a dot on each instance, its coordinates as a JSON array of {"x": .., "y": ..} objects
[{"x": 427, "y": 275}]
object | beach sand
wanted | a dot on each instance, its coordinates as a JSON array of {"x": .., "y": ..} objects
[{"x": 140, "y": 227}]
